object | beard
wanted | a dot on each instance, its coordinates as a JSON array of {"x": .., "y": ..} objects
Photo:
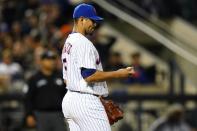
[{"x": 90, "y": 31}]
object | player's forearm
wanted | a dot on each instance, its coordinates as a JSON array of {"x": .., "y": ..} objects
[{"x": 100, "y": 76}]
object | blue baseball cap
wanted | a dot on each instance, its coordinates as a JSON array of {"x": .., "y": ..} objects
[{"x": 87, "y": 11}]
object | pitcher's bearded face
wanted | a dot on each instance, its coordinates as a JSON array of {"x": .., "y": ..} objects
[{"x": 89, "y": 26}]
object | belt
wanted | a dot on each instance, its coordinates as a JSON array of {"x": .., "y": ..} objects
[{"x": 84, "y": 93}]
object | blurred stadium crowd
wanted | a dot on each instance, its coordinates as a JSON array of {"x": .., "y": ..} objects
[{"x": 28, "y": 28}]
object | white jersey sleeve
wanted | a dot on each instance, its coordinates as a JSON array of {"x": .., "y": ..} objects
[
  {"x": 86, "y": 56},
  {"x": 64, "y": 73}
]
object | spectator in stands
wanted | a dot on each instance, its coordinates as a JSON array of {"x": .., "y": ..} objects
[
  {"x": 115, "y": 61},
  {"x": 9, "y": 70},
  {"x": 16, "y": 30},
  {"x": 173, "y": 120},
  {"x": 7, "y": 42},
  {"x": 4, "y": 30},
  {"x": 46, "y": 90},
  {"x": 19, "y": 52},
  {"x": 140, "y": 77}
]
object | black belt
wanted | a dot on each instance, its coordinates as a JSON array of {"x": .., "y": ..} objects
[{"x": 84, "y": 93}]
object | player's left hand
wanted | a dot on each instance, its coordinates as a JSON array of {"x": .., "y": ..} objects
[
  {"x": 131, "y": 71},
  {"x": 126, "y": 72}
]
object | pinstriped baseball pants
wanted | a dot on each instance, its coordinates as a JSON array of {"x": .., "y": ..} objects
[{"x": 84, "y": 112}]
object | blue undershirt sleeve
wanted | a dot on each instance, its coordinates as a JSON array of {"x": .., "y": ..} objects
[{"x": 87, "y": 72}]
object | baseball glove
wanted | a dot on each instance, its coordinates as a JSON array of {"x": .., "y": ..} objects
[{"x": 113, "y": 111}]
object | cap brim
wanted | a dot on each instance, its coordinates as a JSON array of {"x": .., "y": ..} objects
[{"x": 97, "y": 18}]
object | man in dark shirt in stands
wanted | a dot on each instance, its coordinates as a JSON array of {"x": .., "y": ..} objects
[
  {"x": 140, "y": 76},
  {"x": 46, "y": 90}
]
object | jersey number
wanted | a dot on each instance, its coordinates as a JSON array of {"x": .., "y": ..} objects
[{"x": 66, "y": 50}]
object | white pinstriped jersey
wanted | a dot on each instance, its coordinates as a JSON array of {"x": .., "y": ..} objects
[{"x": 79, "y": 52}]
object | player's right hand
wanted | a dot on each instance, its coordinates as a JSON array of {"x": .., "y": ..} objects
[
  {"x": 30, "y": 121},
  {"x": 126, "y": 72}
]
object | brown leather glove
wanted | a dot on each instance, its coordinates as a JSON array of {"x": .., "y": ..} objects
[{"x": 113, "y": 111}]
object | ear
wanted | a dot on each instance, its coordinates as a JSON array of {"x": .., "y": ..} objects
[{"x": 81, "y": 20}]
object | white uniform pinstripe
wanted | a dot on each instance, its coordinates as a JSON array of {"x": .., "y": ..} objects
[{"x": 84, "y": 112}]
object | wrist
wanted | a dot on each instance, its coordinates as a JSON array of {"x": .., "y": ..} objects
[{"x": 115, "y": 74}]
